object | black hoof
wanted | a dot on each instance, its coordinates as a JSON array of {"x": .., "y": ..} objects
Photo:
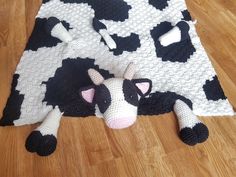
[
  {"x": 191, "y": 136},
  {"x": 43, "y": 145},
  {"x": 184, "y": 27},
  {"x": 47, "y": 146},
  {"x": 188, "y": 136},
  {"x": 201, "y": 131},
  {"x": 50, "y": 24},
  {"x": 33, "y": 140}
]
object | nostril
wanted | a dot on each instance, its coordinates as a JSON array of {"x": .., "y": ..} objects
[{"x": 119, "y": 123}]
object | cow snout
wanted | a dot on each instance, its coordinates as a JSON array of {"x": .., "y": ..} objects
[{"x": 120, "y": 123}]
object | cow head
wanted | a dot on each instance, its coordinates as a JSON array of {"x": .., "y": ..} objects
[{"x": 116, "y": 98}]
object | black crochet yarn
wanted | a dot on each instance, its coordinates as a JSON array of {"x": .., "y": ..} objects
[
  {"x": 160, "y": 103},
  {"x": 159, "y": 4},
  {"x": 213, "y": 90},
  {"x": 41, "y": 37},
  {"x": 116, "y": 10},
  {"x": 50, "y": 24},
  {"x": 12, "y": 110},
  {"x": 176, "y": 52},
  {"x": 188, "y": 136},
  {"x": 201, "y": 131},
  {"x": 33, "y": 140},
  {"x": 129, "y": 43},
  {"x": 191, "y": 136},
  {"x": 63, "y": 87},
  {"x": 43, "y": 145},
  {"x": 186, "y": 15}
]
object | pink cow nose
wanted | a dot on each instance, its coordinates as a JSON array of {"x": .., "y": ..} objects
[{"x": 119, "y": 123}]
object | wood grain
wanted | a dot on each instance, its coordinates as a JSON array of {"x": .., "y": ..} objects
[{"x": 151, "y": 147}]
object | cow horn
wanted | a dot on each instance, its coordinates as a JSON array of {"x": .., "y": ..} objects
[
  {"x": 130, "y": 71},
  {"x": 95, "y": 76}
]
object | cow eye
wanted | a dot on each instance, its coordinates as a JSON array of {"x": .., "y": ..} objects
[
  {"x": 130, "y": 93},
  {"x": 105, "y": 101}
]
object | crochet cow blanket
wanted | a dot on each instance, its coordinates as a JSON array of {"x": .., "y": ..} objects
[{"x": 71, "y": 37}]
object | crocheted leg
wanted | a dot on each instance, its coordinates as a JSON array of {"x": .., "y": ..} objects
[
  {"x": 192, "y": 130},
  {"x": 43, "y": 139},
  {"x": 102, "y": 30},
  {"x": 176, "y": 34},
  {"x": 56, "y": 29}
]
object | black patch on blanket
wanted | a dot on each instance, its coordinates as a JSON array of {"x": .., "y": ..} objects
[
  {"x": 45, "y": 1},
  {"x": 97, "y": 25},
  {"x": 12, "y": 110},
  {"x": 51, "y": 23},
  {"x": 41, "y": 38},
  {"x": 159, "y": 4},
  {"x": 213, "y": 90},
  {"x": 176, "y": 52},
  {"x": 63, "y": 88},
  {"x": 116, "y": 10},
  {"x": 160, "y": 103},
  {"x": 130, "y": 43},
  {"x": 186, "y": 15}
]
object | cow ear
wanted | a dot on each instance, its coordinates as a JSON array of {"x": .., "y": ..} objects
[
  {"x": 87, "y": 93},
  {"x": 143, "y": 86}
]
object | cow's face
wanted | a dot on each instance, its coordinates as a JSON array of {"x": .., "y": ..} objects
[{"x": 117, "y": 99}]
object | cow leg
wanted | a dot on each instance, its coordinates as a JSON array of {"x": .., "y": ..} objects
[
  {"x": 177, "y": 34},
  {"x": 55, "y": 28},
  {"x": 43, "y": 139},
  {"x": 192, "y": 130}
]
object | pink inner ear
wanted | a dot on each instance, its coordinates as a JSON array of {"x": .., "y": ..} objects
[
  {"x": 88, "y": 95},
  {"x": 143, "y": 86}
]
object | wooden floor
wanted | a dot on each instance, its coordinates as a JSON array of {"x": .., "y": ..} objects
[{"x": 149, "y": 148}]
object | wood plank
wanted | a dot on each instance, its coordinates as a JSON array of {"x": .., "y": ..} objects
[{"x": 87, "y": 148}]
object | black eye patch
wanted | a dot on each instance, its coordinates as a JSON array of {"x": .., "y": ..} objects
[
  {"x": 130, "y": 93},
  {"x": 102, "y": 98}
]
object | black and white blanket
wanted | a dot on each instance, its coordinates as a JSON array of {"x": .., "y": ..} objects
[{"x": 52, "y": 70}]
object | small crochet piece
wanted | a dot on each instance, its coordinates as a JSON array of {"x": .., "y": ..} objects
[
  {"x": 102, "y": 30},
  {"x": 56, "y": 29},
  {"x": 176, "y": 34},
  {"x": 116, "y": 98}
]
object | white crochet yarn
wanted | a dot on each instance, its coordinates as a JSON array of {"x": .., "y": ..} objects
[
  {"x": 120, "y": 112},
  {"x": 51, "y": 123},
  {"x": 185, "y": 79},
  {"x": 170, "y": 37},
  {"x": 95, "y": 76},
  {"x": 60, "y": 32},
  {"x": 109, "y": 41},
  {"x": 184, "y": 114}
]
